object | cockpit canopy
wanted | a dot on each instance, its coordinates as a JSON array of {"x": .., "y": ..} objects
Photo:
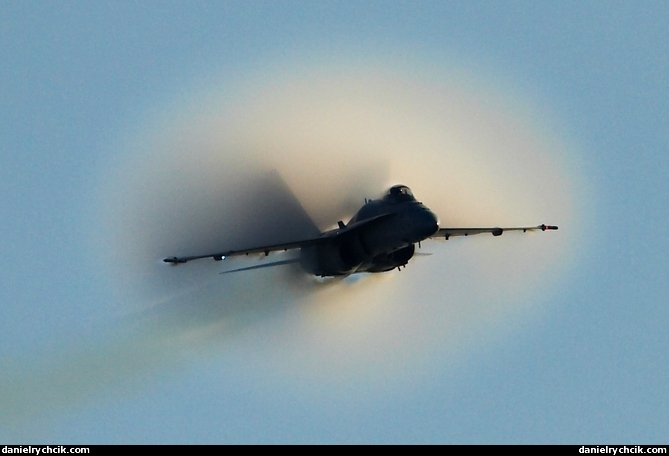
[{"x": 399, "y": 193}]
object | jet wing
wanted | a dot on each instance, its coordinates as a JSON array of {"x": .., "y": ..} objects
[
  {"x": 249, "y": 251},
  {"x": 445, "y": 233},
  {"x": 328, "y": 235}
]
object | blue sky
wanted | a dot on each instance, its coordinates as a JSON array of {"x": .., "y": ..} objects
[{"x": 90, "y": 90}]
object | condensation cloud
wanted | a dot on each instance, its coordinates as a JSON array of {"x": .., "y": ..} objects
[
  {"x": 240, "y": 163},
  {"x": 206, "y": 176}
]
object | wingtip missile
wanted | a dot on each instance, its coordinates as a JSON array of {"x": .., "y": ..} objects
[{"x": 548, "y": 227}]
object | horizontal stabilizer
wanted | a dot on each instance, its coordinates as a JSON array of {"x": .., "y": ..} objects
[{"x": 264, "y": 265}]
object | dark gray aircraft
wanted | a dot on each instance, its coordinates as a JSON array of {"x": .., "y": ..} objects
[{"x": 380, "y": 237}]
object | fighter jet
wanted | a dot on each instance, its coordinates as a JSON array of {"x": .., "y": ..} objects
[{"x": 380, "y": 237}]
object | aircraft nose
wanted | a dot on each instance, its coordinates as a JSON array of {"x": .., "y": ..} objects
[{"x": 429, "y": 223}]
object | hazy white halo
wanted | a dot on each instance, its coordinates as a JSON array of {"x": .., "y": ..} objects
[{"x": 337, "y": 135}]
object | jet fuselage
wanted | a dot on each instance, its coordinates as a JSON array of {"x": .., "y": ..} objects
[{"x": 385, "y": 239}]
